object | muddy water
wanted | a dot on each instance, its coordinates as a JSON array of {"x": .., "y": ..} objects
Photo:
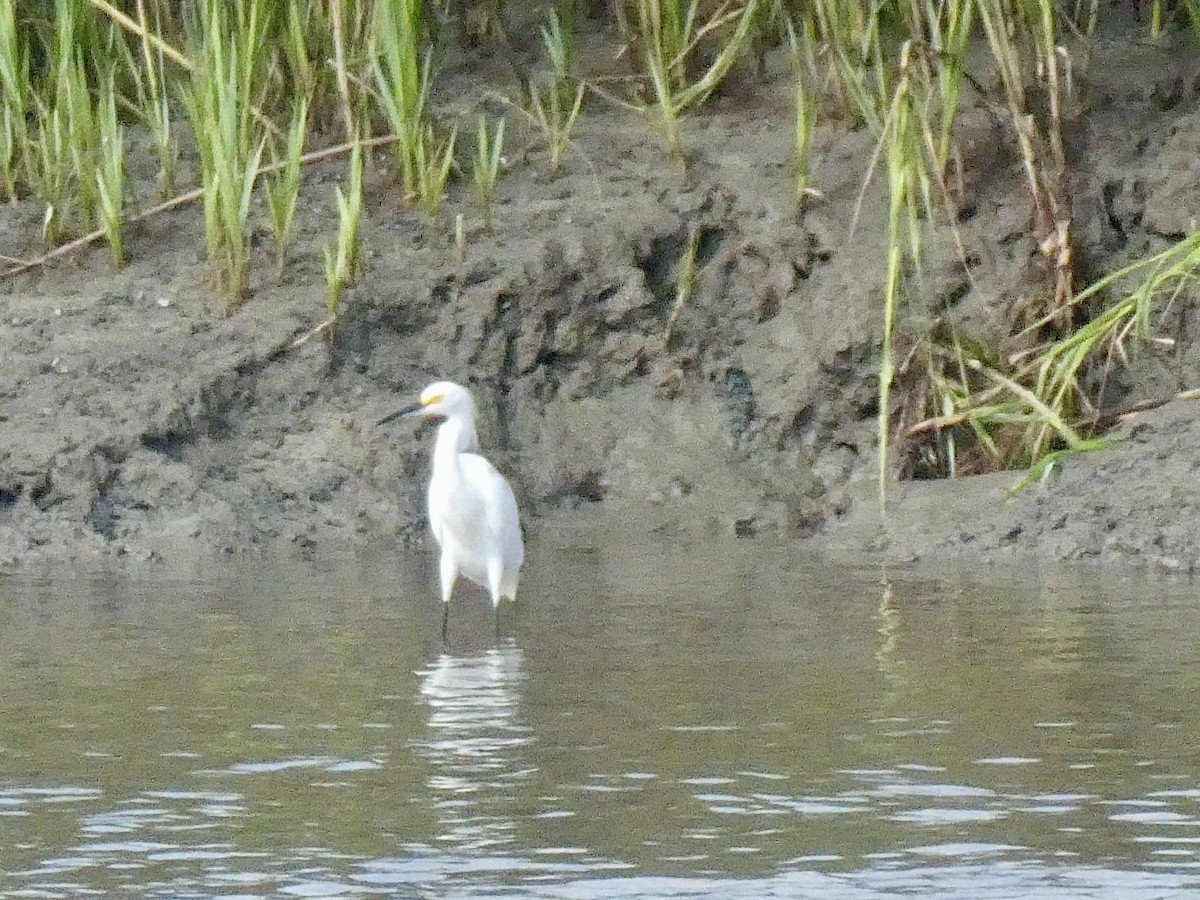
[{"x": 730, "y": 720}]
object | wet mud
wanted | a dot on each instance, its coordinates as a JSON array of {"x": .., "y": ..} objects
[{"x": 141, "y": 422}]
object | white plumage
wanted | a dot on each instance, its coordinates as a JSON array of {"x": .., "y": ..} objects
[{"x": 472, "y": 510}]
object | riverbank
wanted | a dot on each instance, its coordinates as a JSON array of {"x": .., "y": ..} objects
[{"x": 140, "y": 422}]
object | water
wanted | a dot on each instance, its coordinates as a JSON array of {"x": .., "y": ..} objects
[{"x": 736, "y": 720}]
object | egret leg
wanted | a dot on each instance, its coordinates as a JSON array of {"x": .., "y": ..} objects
[
  {"x": 448, "y": 570},
  {"x": 494, "y": 590}
]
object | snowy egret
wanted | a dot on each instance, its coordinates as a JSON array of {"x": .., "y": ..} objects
[{"x": 472, "y": 509}]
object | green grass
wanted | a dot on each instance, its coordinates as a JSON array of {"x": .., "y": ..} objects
[
  {"x": 672, "y": 32},
  {"x": 804, "y": 102},
  {"x": 555, "y": 106},
  {"x": 50, "y": 168},
  {"x": 82, "y": 135},
  {"x": 220, "y": 104},
  {"x": 282, "y": 188},
  {"x": 403, "y": 76},
  {"x": 110, "y": 173},
  {"x": 15, "y": 87},
  {"x": 485, "y": 168},
  {"x": 556, "y": 120},
  {"x": 81, "y": 80},
  {"x": 434, "y": 161},
  {"x": 151, "y": 100},
  {"x": 342, "y": 258}
]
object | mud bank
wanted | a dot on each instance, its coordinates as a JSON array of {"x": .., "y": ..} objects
[{"x": 139, "y": 422}]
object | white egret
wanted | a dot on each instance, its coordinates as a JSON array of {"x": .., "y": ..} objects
[{"x": 472, "y": 510}]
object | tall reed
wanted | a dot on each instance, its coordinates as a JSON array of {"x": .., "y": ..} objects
[
  {"x": 220, "y": 100},
  {"x": 556, "y": 106},
  {"x": 342, "y": 258},
  {"x": 50, "y": 167},
  {"x": 153, "y": 102},
  {"x": 485, "y": 169},
  {"x": 804, "y": 102},
  {"x": 83, "y": 134},
  {"x": 672, "y": 32},
  {"x": 402, "y": 78},
  {"x": 283, "y": 187},
  {"x": 110, "y": 173},
  {"x": 15, "y": 151}
]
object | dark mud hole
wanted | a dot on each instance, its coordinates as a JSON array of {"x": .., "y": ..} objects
[{"x": 139, "y": 421}]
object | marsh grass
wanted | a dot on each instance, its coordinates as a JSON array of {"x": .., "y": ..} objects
[
  {"x": 485, "y": 167},
  {"x": 110, "y": 173},
  {"x": 403, "y": 74},
  {"x": 83, "y": 136},
  {"x": 220, "y": 103},
  {"x": 804, "y": 103},
  {"x": 685, "y": 284},
  {"x": 282, "y": 187},
  {"x": 1163, "y": 280},
  {"x": 49, "y": 168},
  {"x": 559, "y": 44},
  {"x": 555, "y": 120},
  {"x": 15, "y": 150},
  {"x": 342, "y": 258},
  {"x": 63, "y": 156},
  {"x": 556, "y": 105},
  {"x": 152, "y": 99},
  {"x": 434, "y": 163},
  {"x": 1021, "y": 54},
  {"x": 265, "y": 76},
  {"x": 904, "y": 173},
  {"x": 672, "y": 32},
  {"x": 1039, "y": 398},
  {"x": 906, "y": 89}
]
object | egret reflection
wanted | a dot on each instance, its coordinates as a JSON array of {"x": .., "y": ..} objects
[{"x": 475, "y": 743}]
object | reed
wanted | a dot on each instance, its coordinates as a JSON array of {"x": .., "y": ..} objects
[
  {"x": 804, "y": 102},
  {"x": 1043, "y": 396},
  {"x": 900, "y": 167},
  {"x": 1032, "y": 44},
  {"x": 556, "y": 105},
  {"x": 402, "y": 80},
  {"x": 50, "y": 168},
  {"x": 82, "y": 133},
  {"x": 15, "y": 86},
  {"x": 685, "y": 284},
  {"x": 671, "y": 32},
  {"x": 555, "y": 120},
  {"x": 342, "y": 258},
  {"x": 485, "y": 168},
  {"x": 110, "y": 174},
  {"x": 64, "y": 152},
  {"x": 559, "y": 44},
  {"x": 434, "y": 162},
  {"x": 1164, "y": 278},
  {"x": 282, "y": 187},
  {"x": 152, "y": 99},
  {"x": 219, "y": 102}
]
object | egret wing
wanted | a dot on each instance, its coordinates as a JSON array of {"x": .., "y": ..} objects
[{"x": 498, "y": 505}]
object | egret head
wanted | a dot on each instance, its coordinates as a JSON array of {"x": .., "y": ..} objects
[{"x": 441, "y": 400}]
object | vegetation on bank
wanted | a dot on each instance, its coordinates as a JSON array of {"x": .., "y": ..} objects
[{"x": 260, "y": 88}]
